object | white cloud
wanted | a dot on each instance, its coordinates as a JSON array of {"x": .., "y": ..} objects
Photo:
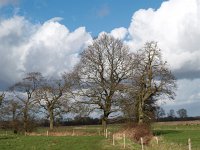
[
  {"x": 49, "y": 47},
  {"x": 14, "y": 33},
  {"x": 175, "y": 26},
  {"x": 119, "y": 33}
]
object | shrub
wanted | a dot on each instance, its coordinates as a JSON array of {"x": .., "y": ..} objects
[{"x": 136, "y": 132}]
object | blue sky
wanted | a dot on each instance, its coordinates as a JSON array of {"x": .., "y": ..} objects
[
  {"x": 32, "y": 39},
  {"x": 95, "y": 15}
]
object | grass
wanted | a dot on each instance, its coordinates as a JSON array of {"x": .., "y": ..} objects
[
  {"x": 179, "y": 134},
  {"x": 50, "y": 143},
  {"x": 170, "y": 137},
  {"x": 94, "y": 142},
  {"x": 13, "y": 142}
]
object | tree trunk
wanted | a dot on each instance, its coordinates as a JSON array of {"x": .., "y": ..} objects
[
  {"x": 25, "y": 120},
  {"x": 104, "y": 122},
  {"x": 14, "y": 122},
  {"x": 51, "y": 119},
  {"x": 141, "y": 112}
]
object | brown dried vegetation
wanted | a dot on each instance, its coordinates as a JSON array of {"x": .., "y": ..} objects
[{"x": 136, "y": 132}]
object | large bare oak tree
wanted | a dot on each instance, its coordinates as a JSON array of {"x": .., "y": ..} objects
[{"x": 104, "y": 66}]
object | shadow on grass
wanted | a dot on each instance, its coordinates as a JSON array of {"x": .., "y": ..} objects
[
  {"x": 7, "y": 137},
  {"x": 163, "y": 132}
]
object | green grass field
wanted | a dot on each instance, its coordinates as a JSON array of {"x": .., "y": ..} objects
[
  {"x": 12, "y": 142},
  {"x": 179, "y": 134},
  {"x": 53, "y": 143},
  {"x": 170, "y": 137}
]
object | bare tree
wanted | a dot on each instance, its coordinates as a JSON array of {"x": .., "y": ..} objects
[
  {"x": 182, "y": 113},
  {"x": 1, "y": 98},
  {"x": 160, "y": 113},
  {"x": 53, "y": 96},
  {"x": 104, "y": 67},
  {"x": 151, "y": 81},
  {"x": 127, "y": 104},
  {"x": 12, "y": 113},
  {"x": 24, "y": 92},
  {"x": 171, "y": 113}
]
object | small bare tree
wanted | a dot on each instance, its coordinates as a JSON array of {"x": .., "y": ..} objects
[
  {"x": 12, "y": 113},
  {"x": 171, "y": 114},
  {"x": 53, "y": 96},
  {"x": 24, "y": 93},
  {"x": 152, "y": 80},
  {"x": 159, "y": 113},
  {"x": 1, "y": 98},
  {"x": 182, "y": 113},
  {"x": 104, "y": 67}
]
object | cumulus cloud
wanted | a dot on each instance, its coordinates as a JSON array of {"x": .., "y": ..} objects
[
  {"x": 175, "y": 26},
  {"x": 49, "y": 48},
  {"x": 14, "y": 33},
  {"x": 119, "y": 33}
]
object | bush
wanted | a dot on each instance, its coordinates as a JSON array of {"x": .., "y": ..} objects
[
  {"x": 136, "y": 132},
  {"x": 142, "y": 131}
]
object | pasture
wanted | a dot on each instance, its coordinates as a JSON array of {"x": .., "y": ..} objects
[
  {"x": 171, "y": 136},
  {"x": 179, "y": 132}
]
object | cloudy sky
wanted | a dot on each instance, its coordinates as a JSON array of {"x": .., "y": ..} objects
[{"x": 47, "y": 36}]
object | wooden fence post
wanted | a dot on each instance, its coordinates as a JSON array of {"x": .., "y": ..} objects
[
  {"x": 106, "y": 133},
  {"x": 47, "y": 133},
  {"x": 124, "y": 140},
  {"x": 189, "y": 144},
  {"x": 73, "y": 132},
  {"x": 99, "y": 132},
  {"x": 156, "y": 139},
  {"x": 113, "y": 139},
  {"x": 142, "y": 143}
]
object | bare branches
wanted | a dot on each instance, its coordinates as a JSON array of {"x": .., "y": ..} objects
[
  {"x": 54, "y": 95},
  {"x": 24, "y": 91},
  {"x": 152, "y": 80},
  {"x": 106, "y": 77},
  {"x": 103, "y": 67},
  {"x": 1, "y": 98}
]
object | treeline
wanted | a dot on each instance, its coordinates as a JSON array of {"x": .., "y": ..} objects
[
  {"x": 172, "y": 115},
  {"x": 165, "y": 119},
  {"x": 108, "y": 79}
]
